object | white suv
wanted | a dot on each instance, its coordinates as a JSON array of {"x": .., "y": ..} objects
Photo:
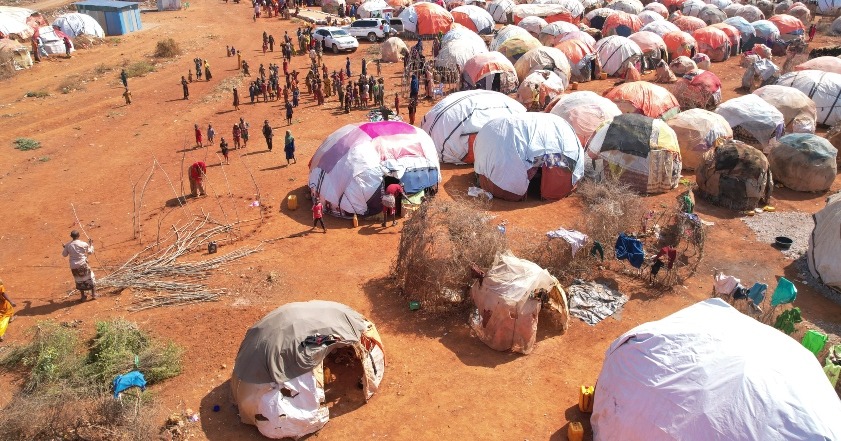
[
  {"x": 371, "y": 28},
  {"x": 335, "y": 38}
]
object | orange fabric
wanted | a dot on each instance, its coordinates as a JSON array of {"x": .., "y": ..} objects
[
  {"x": 433, "y": 19},
  {"x": 620, "y": 18},
  {"x": 732, "y": 33},
  {"x": 562, "y": 17},
  {"x": 648, "y": 99},
  {"x": 555, "y": 182},
  {"x": 787, "y": 24},
  {"x": 711, "y": 37},
  {"x": 468, "y": 158},
  {"x": 575, "y": 50},
  {"x": 464, "y": 20},
  {"x": 679, "y": 44},
  {"x": 487, "y": 63},
  {"x": 688, "y": 23}
]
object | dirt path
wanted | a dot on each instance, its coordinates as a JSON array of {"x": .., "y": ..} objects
[{"x": 441, "y": 382}]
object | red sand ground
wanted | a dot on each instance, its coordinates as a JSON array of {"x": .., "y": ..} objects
[{"x": 441, "y": 383}]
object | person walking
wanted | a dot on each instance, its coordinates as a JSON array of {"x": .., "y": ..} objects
[
  {"x": 207, "y": 75},
  {"x": 268, "y": 133},
  {"x": 364, "y": 67},
  {"x": 196, "y": 174},
  {"x": 124, "y": 77},
  {"x": 237, "y": 134},
  {"x": 7, "y": 310},
  {"x": 317, "y": 215},
  {"x": 197, "y": 131},
  {"x": 68, "y": 46},
  {"x": 289, "y": 148},
  {"x": 211, "y": 134},
  {"x": 198, "y": 64},
  {"x": 347, "y": 66},
  {"x": 413, "y": 108},
  {"x": 414, "y": 87},
  {"x": 289, "y": 114},
  {"x": 127, "y": 96},
  {"x": 243, "y": 127},
  {"x": 185, "y": 88},
  {"x": 813, "y": 29},
  {"x": 396, "y": 104},
  {"x": 77, "y": 253},
  {"x": 236, "y": 99},
  {"x": 223, "y": 145}
]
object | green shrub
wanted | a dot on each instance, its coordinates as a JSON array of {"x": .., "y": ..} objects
[
  {"x": 37, "y": 94},
  {"x": 51, "y": 357},
  {"x": 25, "y": 144},
  {"x": 120, "y": 346},
  {"x": 168, "y": 48},
  {"x": 139, "y": 68}
]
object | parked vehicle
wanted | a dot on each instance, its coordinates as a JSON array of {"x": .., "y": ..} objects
[
  {"x": 335, "y": 38},
  {"x": 374, "y": 28}
]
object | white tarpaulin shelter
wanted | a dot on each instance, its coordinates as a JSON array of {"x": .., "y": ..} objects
[
  {"x": 456, "y": 51},
  {"x": 615, "y": 52},
  {"x": 506, "y": 33},
  {"x": 825, "y": 243},
  {"x": 585, "y": 111},
  {"x": 508, "y": 303},
  {"x": 544, "y": 58},
  {"x": 710, "y": 373},
  {"x": 374, "y": 8},
  {"x": 74, "y": 24},
  {"x": 349, "y": 168},
  {"x": 454, "y": 121},
  {"x": 752, "y": 117},
  {"x": 500, "y": 9},
  {"x": 278, "y": 378},
  {"x": 824, "y": 88},
  {"x": 509, "y": 152},
  {"x": 829, "y": 7},
  {"x": 11, "y": 25}
]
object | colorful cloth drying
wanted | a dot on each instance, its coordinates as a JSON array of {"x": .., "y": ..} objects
[
  {"x": 576, "y": 239},
  {"x": 630, "y": 248},
  {"x": 814, "y": 341},
  {"x": 597, "y": 248},
  {"x": 670, "y": 252},
  {"x": 127, "y": 381},
  {"x": 785, "y": 292}
]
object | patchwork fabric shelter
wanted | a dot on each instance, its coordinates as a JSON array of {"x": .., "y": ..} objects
[
  {"x": 823, "y": 88},
  {"x": 824, "y": 64},
  {"x": 621, "y": 23},
  {"x": 688, "y": 24},
  {"x": 734, "y": 175},
  {"x": 799, "y": 112},
  {"x": 596, "y": 18},
  {"x": 552, "y": 33},
  {"x": 766, "y": 30},
  {"x": 544, "y": 58},
  {"x": 616, "y": 52},
  {"x": 680, "y": 44},
  {"x": 12, "y": 27},
  {"x": 652, "y": 46},
  {"x": 53, "y": 40},
  {"x": 474, "y": 18},
  {"x": 629, "y": 6},
  {"x": 455, "y": 53},
  {"x": 584, "y": 65},
  {"x": 501, "y": 10},
  {"x": 829, "y": 7},
  {"x": 804, "y": 162},
  {"x": 682, "y": 65},
  {"x": 647, "y": 17},
  {"x": 693, "y": 376},
  {"x": 74, "y": 24},
  {"x": 645, "y": 98},
  {"x": 18, "y": 54},
  {"x": 549, "y": 12},
  {"x": 697, "y": 131},
  {"x": 278, "y": 379},
  {"x": 658, "y": 8},
  {"x": 537, "y": 152},
  {"x": 713, "y": 42},
  {"x": 711, "y": 14},
  {"x": 373, "y": 8},
  {"x": 752, "y": 119},
  {"x": 639, "y": 151},
  {"x": 660, "y": 28},
  {"x": 825, "y": 243},
  {"x": 348, "y": 170},
  {"x": 750, "y": 13},
  {"x": 392, "y": 50},
  {"x": 585, "y": 111},
  {"x": 548, "y": 83},
  {"x": 516, "y": 47},
  {"x": 508, "y": 303},
  {"x": 455, "y": 120},
  {"x": 698, "y": 88},
  {"x": 506, "y": 33},
  {"x": 733, "y": 34},
  {"x": 426, "y": 19},
  {"x": 746, "y": 30},
  {"x": 787, "y": 25},
  {"x": 490, "y": 70},
  {"x": 533, "y": 25}
]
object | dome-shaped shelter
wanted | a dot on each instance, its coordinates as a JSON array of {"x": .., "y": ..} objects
[
  {"x": 349, "y": 168},
  {"x": 596, "y": 18},
  {"x": 506, "y": 33},
  {"x": 533, "y": 24},
  {"x": 801, "y": 12},
  {"x": 616, "y": 52},
  {"x": 516, "y": 47},
  {"x": 647, "y": 16},
  {"x": 658, "y": 8},
  {"x": 660, "y": 28},
  {"x": 752, "y": 119},
  {"x": 824, "y": 64},
  {"x": 584, "y": 65},
  {"x": 680, "y": 44},
  {"x": 549, "y": 85},
  {"x": 713, "y": 42},
  {"x": 825, "y": 243},
  {"x": 552, "y": 33},
  {"x": 580, "y": 35},
  {"x": 734, "y": 175},
  {"x": 621, "y": 23},
  {"x": 697, "y": 131},
  {"x": 585, "y": 111},
  {"x": 544, "y": 58},
  {"x": 692, "y": 7},
  {"x": 549, "y": 12},
  {"x": 822, "y": 87},
  {"x": 698, "y": 88},
  {"x": 652, "y": 46},
  {"x": 490, "y": 71},
  {"x": 799, "y": 112},
  {"x": 693, "y": 376},
  {"x": 688, "y": 24},
  {"x": 733, "y": 34},
  {"x": 278, "y": 379},
  {"x": 747, "y": 31},
  {"x": 74, "y": 24},
  {"x": 455, "y": 54},
  {"x": 804, "y": 162},
  {"x": 535, "y": 153},
  {"x": 474, "y": 18},
  {"x": 629, "y": 6},
  {"x": 455, "y": 120},
  {"x": 392, "y": 50},
  {"x": 426, "y": 19},
  {"x": 639, "y": 151},
  {"x": 501, "y": 10},
  {"x": 750, "y": 13},
  {"x": 506, "y": 314},
  {"x": 789, "y": 26},
  {"x": 644, "y": 98},
  {"x": 766, "y": 30},
  {"x": 711, "y": 14},
  {"x": 682, "y": 65}
]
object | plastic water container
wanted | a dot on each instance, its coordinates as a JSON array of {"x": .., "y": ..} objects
[
  {"x": 585, "y": 399},
  {"x": 292, "y": 202},
  {"x": 575, "y": 431}
]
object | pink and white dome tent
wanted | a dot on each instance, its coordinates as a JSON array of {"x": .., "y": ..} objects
[{"x": 350, "y": 167}]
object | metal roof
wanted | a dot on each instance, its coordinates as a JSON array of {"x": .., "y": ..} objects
[{"x": 106, "y": 4}]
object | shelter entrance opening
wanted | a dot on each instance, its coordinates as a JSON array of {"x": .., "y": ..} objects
[{"x": 343, "y": 387}]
